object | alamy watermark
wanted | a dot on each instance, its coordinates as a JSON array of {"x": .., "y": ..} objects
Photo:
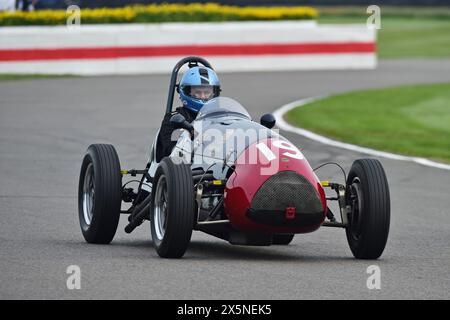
[
  {"x": 263, "y": 147},
  {"x": 73, "y": 21},
  {"x": 74, "y": 280},
  {"x": 374, "y": 20},
  {"x": 374, "y": 280}
]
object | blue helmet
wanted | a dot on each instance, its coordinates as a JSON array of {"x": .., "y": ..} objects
[{"x": 197, "y": 86}]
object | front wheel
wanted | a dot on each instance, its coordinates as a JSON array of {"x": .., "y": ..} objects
[
  {"x": 99, "y": 194},
  {"x": 173, "y": 210},
  {"x": 369, "y": 216}
]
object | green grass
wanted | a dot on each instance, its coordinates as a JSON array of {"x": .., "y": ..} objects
[
  {"x": 13, "y": 77},
  {"x": 410, "y": 120},
  {"x": 405, "y": 32}
]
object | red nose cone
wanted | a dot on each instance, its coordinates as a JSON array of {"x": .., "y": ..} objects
[
  {"x": 289, "y": 213},
  {"x": 263, "y": 196}
]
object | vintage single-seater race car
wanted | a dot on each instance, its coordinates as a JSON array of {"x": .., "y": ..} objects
[{"x": 232, "y": 178}]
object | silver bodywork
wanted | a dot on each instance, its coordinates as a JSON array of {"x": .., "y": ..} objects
[{"x": 220, "y": 137}]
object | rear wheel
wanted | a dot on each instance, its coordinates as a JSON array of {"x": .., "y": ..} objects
[
  {"x": 173, "y": 212},
  {"x": 99, "y": 193},
  {"x": 282, "y": 239},
  {"x": 369, "y": 217}
]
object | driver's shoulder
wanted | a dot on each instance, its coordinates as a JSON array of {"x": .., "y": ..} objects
[
  {"x": 180, "y": 110},
  {"x": 169, "y": 115},
  {"x": 185, "y": 113}
]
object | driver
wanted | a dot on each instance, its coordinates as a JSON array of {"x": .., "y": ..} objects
[{"x": 196, "y": 87}]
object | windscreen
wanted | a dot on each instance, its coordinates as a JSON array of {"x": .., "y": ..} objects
[{"x": 222, "y": 106}]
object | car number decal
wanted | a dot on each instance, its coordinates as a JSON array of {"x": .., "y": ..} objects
[{"x": 291, "y": 150}]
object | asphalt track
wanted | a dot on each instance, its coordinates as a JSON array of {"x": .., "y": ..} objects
[{"x": 46, "y": 125}]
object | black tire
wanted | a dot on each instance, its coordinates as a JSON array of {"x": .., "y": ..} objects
[
  {"x": 99, "y": 218},
  {"x": 282, "y": 239},
  {"x": 369, "y": 218},
  {"x": 172, "y": 209}
]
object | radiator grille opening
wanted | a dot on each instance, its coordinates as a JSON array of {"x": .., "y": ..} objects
[{"x": 287, "y": 189}]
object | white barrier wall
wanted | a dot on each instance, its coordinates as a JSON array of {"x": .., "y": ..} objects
[{"x": 155, "y": 48}]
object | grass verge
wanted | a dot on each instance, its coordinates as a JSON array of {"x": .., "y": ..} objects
[
  {"x": 410, "y": 120},
  {"x": 406, "y": 32}
]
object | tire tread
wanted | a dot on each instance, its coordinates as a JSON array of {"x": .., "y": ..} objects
[
  {"x": 179, "y": 229},
  {"x": 376, "y": 213},
  {"x": 108, "y": 194}
]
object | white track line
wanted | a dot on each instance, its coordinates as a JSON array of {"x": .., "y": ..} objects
[{"x": 283, "y": 125}]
